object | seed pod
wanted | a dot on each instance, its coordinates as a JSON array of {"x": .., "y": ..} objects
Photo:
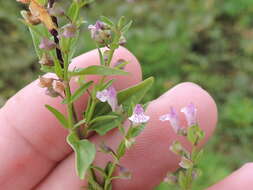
[
  {"x": 46, "y": 60},
  {"x": 29, "y": 18},
  {"x": 52, "y": 93},
  {"x": 45, "y": 82},
  {"x": 59, "y": 86}
]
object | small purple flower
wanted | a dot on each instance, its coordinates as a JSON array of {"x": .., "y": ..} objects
[
  {"x": 138, "y": 115},
  {"x": 108, "y": 95},
  {"x": 190, "y": 113},
  {"x": 69, "y": 31},
  {"x": 172, "y": 117},
  {"x": 94, "y": 29},
  {"x": 47, "y": 44}
]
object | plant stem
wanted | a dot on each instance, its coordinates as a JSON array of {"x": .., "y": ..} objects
[{"x": 109, "y": 177}]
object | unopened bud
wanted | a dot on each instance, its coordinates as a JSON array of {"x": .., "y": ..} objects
[
  {"x": 69, "y": 31},
  {"x": 47, "y": 44},
  {"x": 59, "y": 86},
  {"x": 186, "y": 163},
  {"x": 46, "y": 60},
  {"x": 178, "y": 149},
  {"x": 171, "y": 179},
  {"x": 129, "y": 142},
  {"x": 106, "y": 55},
  {"x": 122, "y": 41},
  {"x": 29, "y": 18},
  {"x": 45, "y": 82}
]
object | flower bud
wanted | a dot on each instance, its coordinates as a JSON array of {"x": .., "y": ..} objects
[
  {"x": 122, "y": 41},
  {"x": 29, "y": 18},
  {"x": 45, "y": 82},
  {"x": 46, "y": 60},
  {"x": 129, "y": 142},
  {"x": 106, "y": 55},
  {"x": 59, "y": 86},
  {"x": 69, "y": 31},
  {"x": 171, "y": 179},
  {"x": 186, "y": 163},
  {"x": 178, "y": 149},
  {"x": 100, "y": 32},
  {"x": 47, "y": 44}
]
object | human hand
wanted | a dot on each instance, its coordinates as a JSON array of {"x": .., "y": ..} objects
[{"x": 35, "y": 154}]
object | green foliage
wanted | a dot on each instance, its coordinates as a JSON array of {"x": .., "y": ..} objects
[
  {"x": 61, "y": 118},
  {"x": 85, "y": 153},
  {"x": 78, "y": 93},
  {"x": 207, "y": 42},
  {"x": 98, "y": 70}
]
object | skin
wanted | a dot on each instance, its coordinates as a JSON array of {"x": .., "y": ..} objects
[{"x": 36, "y": 155}]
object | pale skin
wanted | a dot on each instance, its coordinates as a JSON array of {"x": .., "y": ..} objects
[{"x": 35, "y": 155}]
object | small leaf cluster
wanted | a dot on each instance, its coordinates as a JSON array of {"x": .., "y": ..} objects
[{"x": 189, "y": 170}]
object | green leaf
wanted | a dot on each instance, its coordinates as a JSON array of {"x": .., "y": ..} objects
[
  {"x": 104, "y": 118},
  {"x": 85, "y": 153},
  {"x": 103, "y": 126},
  {"x": 107, "y": 84},
  {"x": 73, "y": 11},
  {"x": 136, "y": 92},
  {"x": 62, "y": 119},
  {"x": 107, "y": 21},
  {"x": 128, "y": 97},
  {"x": 79, "y": 123},
  {"x": 135, "y": 131},
  {"x": 121, "y": 149},
  {"x": 78, "y": 93},
  {"x": 98, "y": 70},
  {"x": 121, "y": 65},
  {"x": 121, "y": 22},
  {"x": 126, "y": 27},
  {"x": 36, "y": 41},
  {"x": 57, "y": 68}
]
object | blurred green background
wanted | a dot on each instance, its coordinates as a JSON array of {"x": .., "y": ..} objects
[{"x": 208, "y": 42}]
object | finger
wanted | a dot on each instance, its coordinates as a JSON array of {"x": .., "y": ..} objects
[
  {"x": 149, "y": 159},
  {"x": 239, "y": 180},
  {"x": 31, "y": 138}
]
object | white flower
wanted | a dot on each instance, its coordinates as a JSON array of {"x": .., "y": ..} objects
[
  {"x": 138, "y": 115},
  {"x": 108, "y": 95},
  {"x": 190, "y": 113},
  {"x": 172, "y": 117}
]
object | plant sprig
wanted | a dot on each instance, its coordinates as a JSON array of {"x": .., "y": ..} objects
[{"x": 107, "y": 108}]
